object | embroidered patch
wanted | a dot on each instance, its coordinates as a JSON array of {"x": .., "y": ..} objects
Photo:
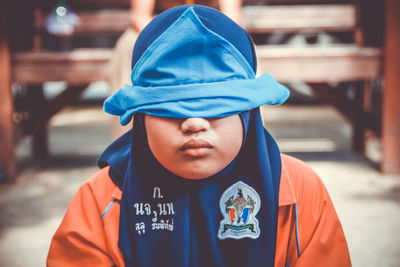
[{"x": 239, "y": 205}]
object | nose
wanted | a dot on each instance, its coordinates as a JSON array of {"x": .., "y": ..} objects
[{"x": 193, "y": 125}]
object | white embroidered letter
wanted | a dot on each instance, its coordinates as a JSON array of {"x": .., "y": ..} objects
[{"x": 157, "y": 193}]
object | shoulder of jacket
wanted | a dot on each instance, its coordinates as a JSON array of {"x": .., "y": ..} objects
[
  {"x": 294, "y": 164},
  {"x": 102, "y": 188},
  {"x": 100, "y": 179},
  {"x": 306, "y": 183}
]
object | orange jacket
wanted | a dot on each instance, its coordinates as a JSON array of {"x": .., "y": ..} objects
[{"x": 88, "y": 234}]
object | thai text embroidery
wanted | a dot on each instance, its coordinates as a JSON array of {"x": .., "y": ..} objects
[
  {"x": 140, "y": 228},
  {"x": 142, "y": 209},
  {"x": 161, "y": 212},
  {"x": 157, "y": 193},
  {"x": 163, "y": 225}
]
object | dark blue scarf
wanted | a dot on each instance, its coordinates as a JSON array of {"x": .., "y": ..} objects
[
  {"x": 229, "y": 219},
  {"x": 167, "y": 220}
]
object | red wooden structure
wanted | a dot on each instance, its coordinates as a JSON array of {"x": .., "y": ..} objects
[{"x": 391, "y": 94}]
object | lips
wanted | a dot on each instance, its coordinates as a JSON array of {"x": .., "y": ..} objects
[
  {"x": 196, "y": 147},
  {"x": 196, "y": 143}
]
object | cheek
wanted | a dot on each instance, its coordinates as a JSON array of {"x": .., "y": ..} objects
[
  {"x": 160, "y": 136},
  {"x": 231, "y": 136}
]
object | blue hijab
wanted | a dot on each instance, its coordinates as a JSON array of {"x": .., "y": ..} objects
[
  {"x": 230, "y": 218},
  {"x": 194, "y": 70}
]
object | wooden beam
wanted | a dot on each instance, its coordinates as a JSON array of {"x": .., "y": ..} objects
[
  {"x": 78, "y": 67},
  {"x": 41, "y": 111},
  {"x": 90, "y": 4},
  {"x": 94, "y": 4},
  {"x": 391, "y": 96},
  {"x": 338, "y": 99},
  {"x": 67, "y": 97},
  {"x": 96, "y": 22},
  {"x": 292, "y": 18},
  {"x": 255, "y": 19},
  {"x": 51, "y": 107},
  {"x": 287, "y": 64},
  {"x": 292, "y": 2},
  {"x": 7, "y": 156},
  {"x": 319, "y": 64}
]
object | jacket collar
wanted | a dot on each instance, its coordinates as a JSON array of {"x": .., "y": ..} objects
[{"x": 286, "y": 192}]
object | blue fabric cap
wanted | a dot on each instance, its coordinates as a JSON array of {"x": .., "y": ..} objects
[{"x": 190, "y": 71}]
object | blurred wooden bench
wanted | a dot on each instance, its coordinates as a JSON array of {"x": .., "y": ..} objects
[
  {"x": 74, "y": 66},
  {"x": 311, "y": 65},
  {"x": 314, "y": 65},
  {"x": 319, "y": 66},
  {"x": 78, "y": 67}
]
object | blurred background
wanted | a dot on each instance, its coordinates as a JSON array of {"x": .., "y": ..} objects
[{"x": 59, "y": 60}]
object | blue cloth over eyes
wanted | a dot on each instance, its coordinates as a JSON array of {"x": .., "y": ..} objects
[{"x": 190, "y": 71}]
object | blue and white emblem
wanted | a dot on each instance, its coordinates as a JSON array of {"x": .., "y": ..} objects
[{"x": 239, "y": 205}]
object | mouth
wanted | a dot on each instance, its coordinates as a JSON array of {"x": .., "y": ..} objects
[{"x": 196, "y": 148}]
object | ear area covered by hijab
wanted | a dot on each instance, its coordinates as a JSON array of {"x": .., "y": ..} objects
[{"x": 191, "y": 71}]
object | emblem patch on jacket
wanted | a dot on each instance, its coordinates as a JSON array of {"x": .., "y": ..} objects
[{"x": 239, "y": 204}]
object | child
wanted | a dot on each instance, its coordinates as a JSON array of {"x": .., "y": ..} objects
[{"x": 198, "y": 181}]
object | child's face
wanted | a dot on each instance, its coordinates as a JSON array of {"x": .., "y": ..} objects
[{"x": 194, "y": 148}]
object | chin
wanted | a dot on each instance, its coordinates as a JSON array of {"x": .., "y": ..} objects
[
  {"x": 197, "y": 173},
  {"x": 196, "y": 176},
  {"x": 195, "y": 169}
]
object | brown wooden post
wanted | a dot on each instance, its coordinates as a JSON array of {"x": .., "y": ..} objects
[
  {"x": 7, "y": 156},
  {"x": 37, "y": 109},
  {"x": 358, "y": 138},
  {"x": 391, "y": 96}
]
